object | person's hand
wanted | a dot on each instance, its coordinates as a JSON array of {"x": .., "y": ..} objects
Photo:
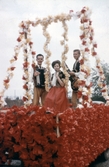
[
  {"x": 57, "y": 76},
  {"x": 36, "y": 73},
  {"x": 71, "y": 73}
]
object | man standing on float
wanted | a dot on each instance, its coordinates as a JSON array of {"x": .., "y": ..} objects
[
  {"x": 74, "y": 77},
  {"x": 39, "y": 81}
]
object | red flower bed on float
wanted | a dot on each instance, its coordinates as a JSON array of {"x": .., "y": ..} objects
[{"x": 31, "y": 132}]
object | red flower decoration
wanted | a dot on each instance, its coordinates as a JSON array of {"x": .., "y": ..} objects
[
  {"x": 97, "y": 66},
  {"x": 86, "y": 20},
  {"x": 79, "y": 94},
  {"x": 91, "y": 38},
  {"x": 25, "y": 65},
  {"x": 15, "y": 57},
  {"x": 83, "y": 10},
  {"x": 33, "y": 65},
  {"x": 82, "y": 36},
  {"x": 87, "y": 50},
  {"x": 104, "y": 84},
  {"x": 25, "y": 98},
  {"x": 94, "y": 53},
  {"x": 6, "y": 80},
  {"x": 85, "y": 97},
  {"x": 103, "y": 90},
  {"x": 30, "y": 43},
  {"x": 16, "y": 148},
  {"x": 32, "y": 133},
  {"x": 95, "y": 45},
  {"x": 25, "y": 87},
  {"x": 18, "y": 39},
  {"x": 23, "y": 78},
  {"x": 88, "y": 87},
  {"x": 83, "y": 42},
  {"x": 82, "y": 83},
  {"x": 81, "y": 61},
  {"x": 24, "y": 154},
  {"x": 23, "y": 26},
  {"x": 33, "y": 53},
  {"x": 101, "y": 72},
  {"x": 84, "y": 71},
  {"x": 33, "y": 24},
  {"x": 71, "y": 11},
  {"x": 12, "y": 68}
]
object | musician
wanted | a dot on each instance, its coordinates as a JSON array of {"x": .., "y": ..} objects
[
  {"x": 39, "y": 81},
  {"x": 74, "y": 77}
]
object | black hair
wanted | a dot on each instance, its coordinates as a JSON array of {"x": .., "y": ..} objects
[
  {"x": 77, "y": 50},
  {"x": 56, "y": 62},
  {"x": 39, "y": 55}
]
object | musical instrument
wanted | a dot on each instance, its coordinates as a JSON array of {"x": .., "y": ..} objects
[
  {"x": 74, "y": 79},
  {"x": 68, "y": 69},
  {"x": 40, "y": 79}
]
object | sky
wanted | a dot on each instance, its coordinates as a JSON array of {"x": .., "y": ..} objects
[{"x": 12, "y": 12}]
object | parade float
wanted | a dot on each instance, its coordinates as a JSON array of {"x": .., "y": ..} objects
[{"x": 42, "y": 138}]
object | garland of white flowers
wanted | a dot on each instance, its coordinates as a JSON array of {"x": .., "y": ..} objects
[
  {"x": 85, "y": 69},
  {"x": 86, "y": 36},
  {"x": 27, "y": 51},
  {"x": 64, "y": 58},
  {"x": 87, "y": 39},
  {"x": 48, "y": 54},
  {"x": 9, "y": 74},
  {"x": 24, "y": 41}
]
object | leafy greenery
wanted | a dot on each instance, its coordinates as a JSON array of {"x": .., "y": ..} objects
[{"x": 97, "y": 95}]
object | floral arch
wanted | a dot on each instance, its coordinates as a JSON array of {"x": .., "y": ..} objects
[{"x": 87, "y": 48}]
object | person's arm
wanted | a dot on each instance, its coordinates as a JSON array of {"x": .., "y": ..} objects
[
  {"x": 36, "y": 73},
  {"x": 72, "y": 73},
  {"x": 59, "y": 80}
]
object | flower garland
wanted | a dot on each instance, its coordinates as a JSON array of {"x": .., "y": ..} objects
[
  {"x": 27, "y": 50},
  {"x": 9, "y": 74},
  {"x": 86, "y": 36},
  {"x": 65, "y": 52},
  {"x": 87, "y": 39},
  {"x": 102, "y": 80},
  {"x": 84, "y": 93},
  {"x": 47, "y": 51}
]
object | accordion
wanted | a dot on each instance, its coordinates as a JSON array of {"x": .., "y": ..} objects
[{"x": 40, "y": 79}]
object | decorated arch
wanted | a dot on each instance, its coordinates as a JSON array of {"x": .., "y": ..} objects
[{"x": 88, "y": 48}]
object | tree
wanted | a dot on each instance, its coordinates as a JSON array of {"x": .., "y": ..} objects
[{"x": 96, "y": 94}]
